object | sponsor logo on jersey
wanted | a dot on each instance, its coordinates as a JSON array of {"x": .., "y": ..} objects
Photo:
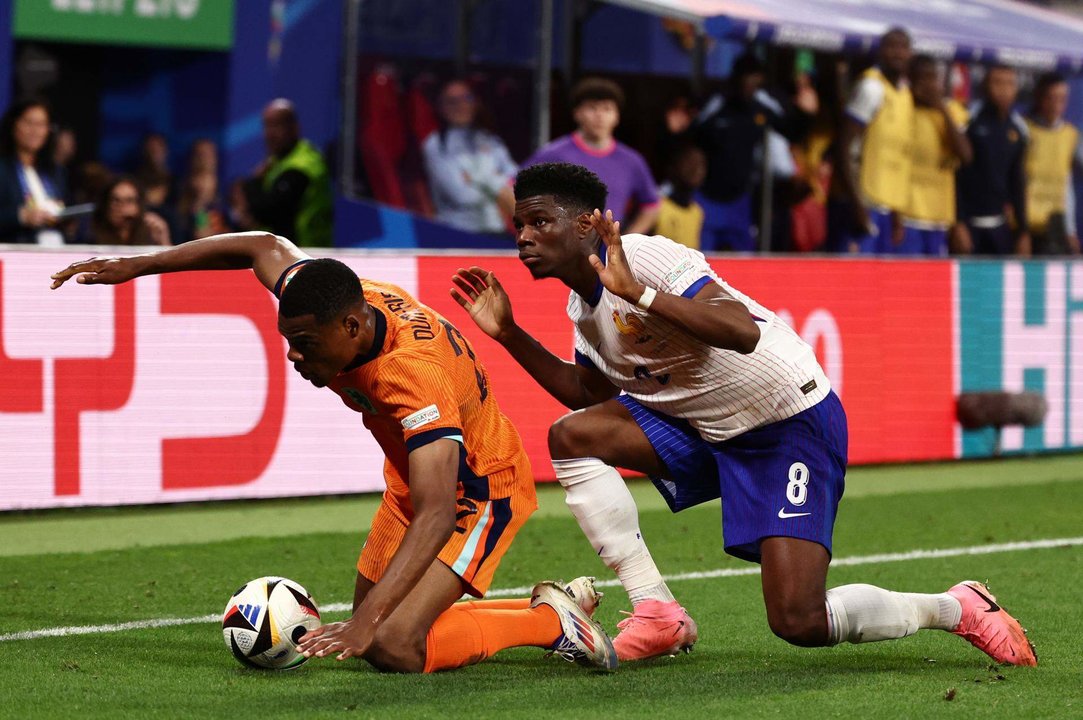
[
  {"x": 683, "y": 267},
  {"x": 424, "y": 416}
]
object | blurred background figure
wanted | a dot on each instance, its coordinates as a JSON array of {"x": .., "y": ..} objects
[
  {"x": 152, "y": 169},
  {"x": 879, "y": 126},
  {"x": 290, "y": 193},
  {"x": 680, "y": 217},
  {"x": 596, "y": 108},
  {"x": 31, "y": 192},
  {"x": 121, "y": 218},
  {"x": 733, "y": 129},
  {"x": 467, "y": 165},
  {"x": 65, "y": 148},
  {"x": 201, "y": 210},
  {"x": 991, "y": 190},
  {"x": 939, "y": 147},
  {"x": 1052, "y": 155}
]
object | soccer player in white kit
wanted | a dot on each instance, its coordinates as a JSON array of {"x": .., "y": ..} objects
[{"x": 681, "y": 377}]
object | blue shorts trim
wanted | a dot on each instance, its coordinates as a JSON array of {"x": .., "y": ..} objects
[{"x": 783, "y": 479}]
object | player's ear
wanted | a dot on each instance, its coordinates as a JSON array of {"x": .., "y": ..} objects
[
  {"x": 583, "y": 225},
  {"x": 351, "y": 324}
]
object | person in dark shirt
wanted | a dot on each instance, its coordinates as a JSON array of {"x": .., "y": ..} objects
[
  {"x": 991, "y": 189},
  {"x": 290, "y": 193},
  {"x": 731, "y": 131}
]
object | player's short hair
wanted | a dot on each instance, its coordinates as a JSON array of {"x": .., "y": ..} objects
[
  {"x": 899, "y": 32},
  {"x": 571, "y": 185},
  {"x": 325, "y": 288},
  {"x": 596, "y": 88},
  {"x": 922, "y": 62},
  {"x": 1046, "y": 82}
]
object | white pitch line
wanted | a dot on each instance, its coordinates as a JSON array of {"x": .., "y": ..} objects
[{"x": 525, "y": 590}]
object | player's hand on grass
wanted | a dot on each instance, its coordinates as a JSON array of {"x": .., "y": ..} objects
[
  {"x": 483, "y": 297},
  {"x": 349, "y": 638},
  {"x": 614, "y": 273},
  {"x": 99, "y": 271}
]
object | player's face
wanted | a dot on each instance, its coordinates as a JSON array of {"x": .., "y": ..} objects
[
  {"x": 1002, "y": 85},
  {"x": 320, "y": 352},
  {"x": 895, "y": 52},
  {"x": 545, "y": 235},
  {"x": 597, "y": 119},
  {"x": 1054, "y": 103}
]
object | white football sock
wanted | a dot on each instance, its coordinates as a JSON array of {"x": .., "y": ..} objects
[
  {"x": 607, "y": 514},
  {"x": 865, "y": 613}
]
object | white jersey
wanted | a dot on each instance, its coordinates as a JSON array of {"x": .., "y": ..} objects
[{"x": 721, "y": 393}]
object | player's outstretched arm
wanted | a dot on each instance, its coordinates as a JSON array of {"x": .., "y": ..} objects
[
  {"x": 266, "y": 254},
  {"x": 479, "y": 292},
  {"x": 712, "y": 316},
  {"x": 433, "y": 480}
]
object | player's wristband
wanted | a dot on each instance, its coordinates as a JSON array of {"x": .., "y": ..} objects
[{"x": 645, "y": 300}]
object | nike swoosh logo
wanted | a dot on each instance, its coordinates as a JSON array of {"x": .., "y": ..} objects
[
  {"x": 993, "y": 607},
  {"x": 782, "y": 514}
]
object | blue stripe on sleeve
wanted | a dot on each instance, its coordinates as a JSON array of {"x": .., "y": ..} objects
[
  {"x": 581, "y": 359},
  {"x": 697, "y": 286},
  {"x": 430, "y": 436}
]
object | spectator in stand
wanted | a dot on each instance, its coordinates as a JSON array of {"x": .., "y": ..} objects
[
  {"x": 200, "y": 209},
  {"x": 680, "y": 217},
  {"x": 880, "y": 119},
  {"x": 31, "y": 194},
  {"x": 991, "y": 190},
  {"x": 290, "y": 193},
  {"x": 596, "y": 107},
  {"x": 1052, "y": 154},
  {"x": 121, "y": 218},
  {"x": 65, "y": 147},
  {"x": 91, "y": 180},
  {"x": 152, "y": 170},
  {"x": 732, "y": 130},
  {"x": 468, "y": 166},
  {"x": 939, "y": 146}
]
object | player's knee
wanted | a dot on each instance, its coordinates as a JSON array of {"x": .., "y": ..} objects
[
  {"x": 806, "y": 627},
  {"x": 394, "y": 655},
  {"x": 568, "y": 439}
]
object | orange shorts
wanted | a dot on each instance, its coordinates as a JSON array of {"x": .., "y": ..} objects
[{"x": 484, "y": 530}]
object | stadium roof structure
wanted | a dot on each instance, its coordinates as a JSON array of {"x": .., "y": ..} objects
[{"x": 971, "y": 30}]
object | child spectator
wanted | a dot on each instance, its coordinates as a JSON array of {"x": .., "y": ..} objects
[{"x": 680, "y": 217}]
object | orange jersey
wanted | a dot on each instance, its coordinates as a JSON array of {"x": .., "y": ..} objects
[{"x": 421, "y": 382}]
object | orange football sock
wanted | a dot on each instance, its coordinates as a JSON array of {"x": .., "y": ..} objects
[{"x": 467, "y": 633}]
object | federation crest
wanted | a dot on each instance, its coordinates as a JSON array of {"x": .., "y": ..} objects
[
  {"x": 360, "y": 400},
  {"x": 631, "y": 325}
]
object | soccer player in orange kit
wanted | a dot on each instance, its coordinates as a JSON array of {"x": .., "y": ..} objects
[{"x": 459, "y": 484}]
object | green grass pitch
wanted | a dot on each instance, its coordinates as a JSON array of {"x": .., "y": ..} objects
[{"x": 103, "y": 567}]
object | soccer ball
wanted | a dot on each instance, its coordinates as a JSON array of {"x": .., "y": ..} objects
[{"x": 264, "y": 620}]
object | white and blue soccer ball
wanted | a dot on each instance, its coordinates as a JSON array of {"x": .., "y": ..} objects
[{"x": 264, "y": 620}]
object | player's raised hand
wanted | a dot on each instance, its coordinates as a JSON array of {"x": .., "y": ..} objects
[
  {"x": 614, "y": 273},
  {"x": 348, "y": 638},
  {"x": 482, "y": 296},
  {"x": 99, "y": 271}
]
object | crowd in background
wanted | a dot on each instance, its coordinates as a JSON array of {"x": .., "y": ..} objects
[
  {"x": 45, "y": 200},
  {"x": 893, "y": 162}
]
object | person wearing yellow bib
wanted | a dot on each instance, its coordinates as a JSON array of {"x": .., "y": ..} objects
[
  {"x": 290, "y": 194},
  {"x": 879, "y": 125},
  {"x": 939, "y": 146},
  {"x": 1052, "y": 154}
]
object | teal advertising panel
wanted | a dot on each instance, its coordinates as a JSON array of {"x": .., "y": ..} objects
[
  {"x": 1021, "y": 328},
  {"x": 196, "y": 24}
]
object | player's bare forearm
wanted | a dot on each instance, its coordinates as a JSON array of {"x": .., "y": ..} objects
[
  {"x": 267, "y": 254},
  {"x": 711, "y": 317},
  {"x": 569, "y": 383},
  {"x": 433, "y": 481}
]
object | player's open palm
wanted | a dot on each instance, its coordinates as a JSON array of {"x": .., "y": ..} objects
[
  {"x": 482, "y": 296},
  {"x": 614, "y": 273},
  {"x": 98, "y": 271}
]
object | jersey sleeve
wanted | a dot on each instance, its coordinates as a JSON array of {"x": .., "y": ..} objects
[
  {"x": 417, "y": 394},
  {"x": 866, "y": 100},
  {"x": 958, "y": 114},
  {"x": 583, "y": 351},
  {"x": 670, "y": 267}
]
